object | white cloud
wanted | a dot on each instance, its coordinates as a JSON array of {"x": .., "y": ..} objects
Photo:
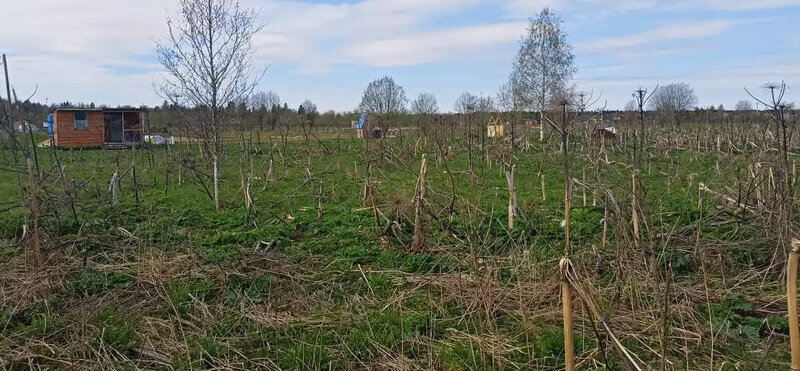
[
  {"x": 529, "y": 8},
  {"x": 92, "y": 46},
  {"x": 749, "y": 4},
  {"x": 674, "y": 32},
  {"x": 420, "y": 48},
  {"x": 318, "y": 35}
]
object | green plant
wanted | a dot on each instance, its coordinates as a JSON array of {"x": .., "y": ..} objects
[{"x": 92, "y": 282}]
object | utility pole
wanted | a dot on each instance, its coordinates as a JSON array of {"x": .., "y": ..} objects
[
  {"x": 639, "y": 147},
  {"x": 641, "y": 97}
]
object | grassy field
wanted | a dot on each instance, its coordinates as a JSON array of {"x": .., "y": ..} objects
[{"x": 163, "y": 280}]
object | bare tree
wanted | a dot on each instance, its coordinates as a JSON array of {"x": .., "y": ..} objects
[
  {"x": 471, "y": 106},
  {"x": 425, "y": 104},
  {"x": 743, "y": 105},
  {"x": 465, "y": 103},
  {"x": 470, "y": 103},
  {"x": 423, "y": 107},
  {"x": 383, "y": 96},
  {"x": 208, "y": 60},
  {"x": 631, "y": 105},
  {"x": 261, "y": 103},
  {"x": 544, "y": 63},
  {"x": 509, "y": 98},
  {"x": 672, "y": 100},
  {"x": 779, "y": 109},
  {"x": 309, "y": 107},
  {"x": 674, "y": 97}
]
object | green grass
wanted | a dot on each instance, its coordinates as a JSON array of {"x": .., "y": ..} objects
[{"x": 345, "y": 291}]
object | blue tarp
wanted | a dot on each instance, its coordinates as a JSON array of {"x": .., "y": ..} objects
[
  {"x": 50, "y": 125},
  {"x": 361, "y": 121}
]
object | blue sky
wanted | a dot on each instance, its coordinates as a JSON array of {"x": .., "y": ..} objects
[{"x": 328, "y": 50}]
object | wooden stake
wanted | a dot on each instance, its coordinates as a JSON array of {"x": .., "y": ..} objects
[
  {"x": 544, "y": 192},
  {"x": 113, "y": 187},
  {"x": 566, "y": 299},
  {"x": 583, "y": 174},
  {"x": 634, "y": 212},
  {"x": 35, "y": 254},
  {"x": 791, "y": 298},
  {"x": 416, "y": 243},
  {"x": 605, "y": 223},
  {"x": 271, "y": 172},
  {"x": 513, "y": 206},
  {"x": 320, "y": 204}
]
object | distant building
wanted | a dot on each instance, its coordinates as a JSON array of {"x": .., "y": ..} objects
[
  {"x": 25, "y": 127},
  {"x": 114, "y": 128}
]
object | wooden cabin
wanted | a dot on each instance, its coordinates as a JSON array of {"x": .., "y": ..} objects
[{"x": 112, "y": 128}]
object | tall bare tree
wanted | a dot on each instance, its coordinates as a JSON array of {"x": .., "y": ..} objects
[
  {"x": 383, "y": 96},
  {"x": 675, "y": 97},
  {"x": 744, "y": 105},
  {"x": 261, "y": 103},
  {"x": 544, "y": 63},
  {"x": 209, "y": 65},
  {"x": 510, "y": 98},
  {"x": 672, "y": 99},
  {"x": 425, "y": 104},
  {"x": 309, "y": 106},
  {"x": 423, "y": 107},
  {"x": 778, "y": 109}
]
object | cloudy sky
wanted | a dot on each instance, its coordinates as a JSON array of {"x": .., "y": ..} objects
[{"x": 328, "y": 50}]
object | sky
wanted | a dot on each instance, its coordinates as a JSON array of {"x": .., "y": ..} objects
[{"x": 327, "y": 51}]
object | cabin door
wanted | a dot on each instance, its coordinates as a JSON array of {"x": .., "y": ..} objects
[{"x": 115, "y": 131}]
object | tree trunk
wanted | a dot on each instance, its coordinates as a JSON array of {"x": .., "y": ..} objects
[{"x": 216, "y": 181}]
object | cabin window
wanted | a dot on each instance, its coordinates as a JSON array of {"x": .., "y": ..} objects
[{"x": 81, "y": 121}]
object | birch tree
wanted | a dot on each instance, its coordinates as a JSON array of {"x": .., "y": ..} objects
[
  {"x": 208, "y": 59},
  {"x": 544, "y": 64}
]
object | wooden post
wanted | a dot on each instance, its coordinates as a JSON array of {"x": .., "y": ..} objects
[
  {"x": 791, "y": 298},
  {"x": 113, "y": 187},
  {"x": 605, "y": 223},
  {"x": 544, "y": 191},
  {"x": 583, "y": 174},
  {"x": 513, "y": 205},
  {"x": 634, "y": 212},
  {"x": 416, "y": 243},
  {"x": 247, "y": 188},
  {"x": 566, "y": 299},
  {"x": 271, "y": 172},
  {"x": 35, "y": 254},
  {"x": 321, "y": 201}
]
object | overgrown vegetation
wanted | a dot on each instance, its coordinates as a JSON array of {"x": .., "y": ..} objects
[{"x": 168, "y": 281}]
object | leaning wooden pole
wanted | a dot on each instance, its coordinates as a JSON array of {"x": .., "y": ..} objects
[
  {"x": 416, "y": 243},
  {"x": 791, "y": 298},
  {"x": 634, "y": 207},
  {"x": 35, "y": 253},
  {"x": 566, "y": 299},
  {"x": 513, "y": 204},
  {"x": 566, "y": 295}
]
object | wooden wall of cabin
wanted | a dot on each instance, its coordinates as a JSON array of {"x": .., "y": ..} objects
[{"x": 65, "y": 135}]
